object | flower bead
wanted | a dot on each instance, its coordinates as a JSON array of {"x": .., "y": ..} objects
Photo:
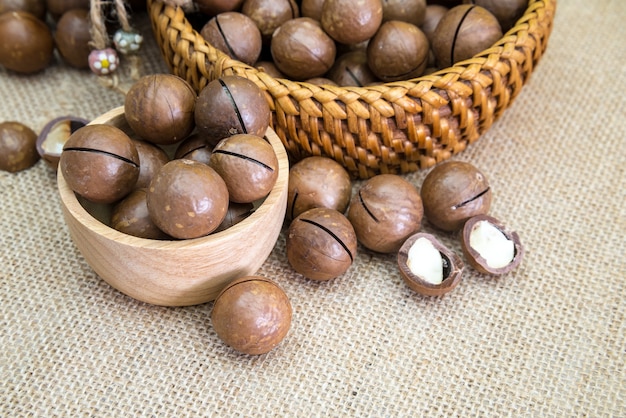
[
  {"x": 127, "y": 42},
  {"x": 103, "y": 61}
]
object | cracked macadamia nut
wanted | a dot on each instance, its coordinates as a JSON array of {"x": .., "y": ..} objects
[
  {"x": 463, "y": 32},
  {"x": 302, "y": 50},
  {"x": 385, "y": 211},
  {"x": 489, "y": 247},
  {"x": 252, "y": 315},
  {"x": 187, "y": 199},
  {"x": 321, "y": 244},
  {"x": 231, "y": 105},
  {"x": 236, "y": 35},
  {"x": 18, "y": 150},
  {"x": 54, "y": 135},
  {"x": 427, "y": 266},
  {"x": 248, "y": 165},
  {"x": 27, "y": 44},
  {"x": 317, "y": 182},
  {"x": 100, "y": 163},
  {"x": 160, "y": 108},
  {"x": 453, "y": 192}
]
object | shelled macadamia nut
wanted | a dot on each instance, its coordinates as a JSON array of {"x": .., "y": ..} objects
[
  {"x": 429, "y": 267},
  {"x": 489, "y": 246}
]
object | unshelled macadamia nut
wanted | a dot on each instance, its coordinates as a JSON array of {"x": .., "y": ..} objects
[
  {"x": 453, "y": 192},
  {"x": 17, "y": 147},
  {"x": 252, "y": 315}
]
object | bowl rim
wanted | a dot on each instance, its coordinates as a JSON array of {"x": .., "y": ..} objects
[{"x": 74, "y": 207}]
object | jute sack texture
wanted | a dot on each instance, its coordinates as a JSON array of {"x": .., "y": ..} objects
[{"x": 395, "y": 127}]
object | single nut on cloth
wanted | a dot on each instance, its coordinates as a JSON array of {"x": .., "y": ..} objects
[
  {"x": 18, "y": 149},
  {"x": 427, "y": 266},
  {"x": 489, "y": 246},
  {"x": 385, "y": 211},
  {"x": 321, "y": 244},
  {"x": 72, "y": 37},
  {"x": 453, "y": 192},
  {"x": 317, "y": 182},
  {"x": 252, "y": 315}
]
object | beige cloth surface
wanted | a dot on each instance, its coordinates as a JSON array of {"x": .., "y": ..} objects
[{"x": 548, "y": 339}]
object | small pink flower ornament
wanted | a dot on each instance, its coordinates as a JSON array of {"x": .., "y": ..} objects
[{"x": 103, "y": 61}]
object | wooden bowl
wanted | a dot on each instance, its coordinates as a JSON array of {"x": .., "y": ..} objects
[{"x": 182, "y": 272}]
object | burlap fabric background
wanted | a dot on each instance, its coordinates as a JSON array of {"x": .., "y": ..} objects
[{"x": 546, "y": 340}]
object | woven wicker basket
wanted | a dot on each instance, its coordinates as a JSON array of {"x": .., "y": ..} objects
[{"x": 396, "y": 127}]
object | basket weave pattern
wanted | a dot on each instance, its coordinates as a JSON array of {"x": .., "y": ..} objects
[{"x": 395, "y": 127}]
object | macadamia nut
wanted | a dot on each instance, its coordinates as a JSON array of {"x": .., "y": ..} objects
[
  {"x": 492, "y": 244},
  {"x": 425, "y": 261}
]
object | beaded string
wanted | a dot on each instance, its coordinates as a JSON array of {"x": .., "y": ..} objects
[{"x": 104, "y": 60}]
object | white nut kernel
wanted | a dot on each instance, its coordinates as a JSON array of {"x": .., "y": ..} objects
[
  {"x": 424, "y": 260},
  {"x": 492, "y": 245}
]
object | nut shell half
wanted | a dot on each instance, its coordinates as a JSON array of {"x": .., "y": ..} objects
[
  {"x": 453, "y": 267},
  {"x": 477, "y": 261}
]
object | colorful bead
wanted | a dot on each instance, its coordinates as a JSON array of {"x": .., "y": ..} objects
[
  {"x": 103, "y": 61},
  {"x": 127, "y": 42}
]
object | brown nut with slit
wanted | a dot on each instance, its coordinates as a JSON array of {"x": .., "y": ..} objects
[
  {"x": 490, "y": 247},
  {"x": 17, "y": 147},
  {"x": 463, "y": 32},
  {"x": 236, "y": 35},
  {"x": 160, "y": 108},
  {"x": 385, "y": 211},
  {"x": 252, "y": 315},
  {"x": 301, "y": 49},
  {"x": 429, "y": 267},
  {"x": 100, "y": 163},
  {"x": 231, "y": 105},
  {"x": 248, "y": 165},
  {"x": 453, "y": 192},
  {"x": 187, "y": 199},
  {"x": 321, "y": 244},
  {"x": 317, "y": 182}
]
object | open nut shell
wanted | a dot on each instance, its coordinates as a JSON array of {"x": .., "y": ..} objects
[
  {"x": 453, "y": 267},
  {"x": 476, "y": 260}
]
